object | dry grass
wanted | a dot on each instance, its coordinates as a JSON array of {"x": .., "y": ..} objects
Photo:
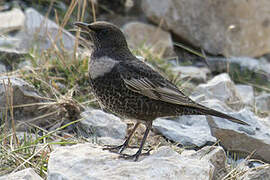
[{"x": 51, "y": 69}]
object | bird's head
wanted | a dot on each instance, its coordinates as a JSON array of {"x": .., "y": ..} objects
[{"x": 103, "y": 34}]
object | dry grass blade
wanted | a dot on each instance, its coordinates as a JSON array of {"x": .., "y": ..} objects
[
  {"x": 45, "y": 131},
  {"x": 62, "y": 127},
  {"x": 9, "y": 101},
  {"x": 6, "y": 122},
  {"x": 39, "y": 117},
  {"x": 28, "y": 160},
  {"x": 66, "y": 17},
  {"x": 255, "y": 85},
  {"x": 78, "y": 32},
  {"x": 80, "y": 17},
  {"x": 15, "y": 156},
  {"x": 48, "y": 68},
  {"x": 238, "y": 171},
  {"x": 46, "y": 17},
  {"x": 93, "y": 10},
  {"x": 32, "y": 104},
  {"x": 189, "y": 49},
  {"x": 53, "y": 90}
]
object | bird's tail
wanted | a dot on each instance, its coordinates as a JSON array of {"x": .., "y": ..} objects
[{"x": 208, "y": 111}]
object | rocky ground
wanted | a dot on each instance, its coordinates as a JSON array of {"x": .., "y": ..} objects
[{"x": 52, "y": 127}]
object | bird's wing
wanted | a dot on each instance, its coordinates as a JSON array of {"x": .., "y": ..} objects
[{"x": 142, "y": 79}]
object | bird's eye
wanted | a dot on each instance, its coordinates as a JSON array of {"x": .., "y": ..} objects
[{"x": 104, "y": 32}]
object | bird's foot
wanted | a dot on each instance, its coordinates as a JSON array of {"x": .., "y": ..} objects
[{"x": 136, "y": 155}]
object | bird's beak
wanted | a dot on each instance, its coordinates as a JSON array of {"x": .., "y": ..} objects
[{"x": 82, "y": 25}]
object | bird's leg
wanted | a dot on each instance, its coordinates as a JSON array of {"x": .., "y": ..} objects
[
  {"x": 139, "y": 152},
  {"x": 121, "y": 148}
]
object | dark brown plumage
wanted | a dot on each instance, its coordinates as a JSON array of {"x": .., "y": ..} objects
[{"x": 130, "y": 88}]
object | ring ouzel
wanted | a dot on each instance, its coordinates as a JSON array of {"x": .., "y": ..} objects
[{"x": 130, "y": 88}]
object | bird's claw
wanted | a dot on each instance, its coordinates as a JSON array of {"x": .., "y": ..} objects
[
  {"x": 128, "y": 156},
  {"x": 136, "y": 155},
  {"x": 116, "y": 149}
]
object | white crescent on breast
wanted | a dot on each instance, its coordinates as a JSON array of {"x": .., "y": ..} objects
[{"x": 100, "y": 66}]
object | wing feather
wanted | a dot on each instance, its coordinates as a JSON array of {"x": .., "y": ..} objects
[
  {"x": 164, "y": 92},
  {"x": 140, "y": 78}
]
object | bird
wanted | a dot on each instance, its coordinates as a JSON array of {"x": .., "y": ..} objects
[{"x": 129, "y": 88}]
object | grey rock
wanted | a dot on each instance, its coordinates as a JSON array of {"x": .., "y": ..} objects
[
  {"x": 86, "y": 161},
  {"x": 194, "y": 131},
  {"x": 216, "y": 155},
  {"x": 219, "y": 28},
  {"x": 244, "y": 66},
  {"x": 196, "y": 74},
  {"x": 234, "y": 137},
  {"x": 240, "y": 138},
  {"x": 221, "y": 87},
  {"x": 189, "y": 131},
  {"x": 43, "y": 32},
  {"x": 17, "y": 85},
  {"x": 10, "y": 57},
  {"x": 244, "y": 62},
  {"x": 11, "y": 20},
  {"x": 266, "y": 121},
  {"x": 109, "y": 141},
  {"x": 24, "y": 64},
  {"x": 26, "y": 174},
  {"x": 262, "y": 103},
  {"x": 22, "y": 94},
  {"x": 100, "y": 124},
  {"x": 246, "y": 93},
  {"x": 153, "y": 38},
  {"x": 9, "y": 43},
  {"x": 3, "y": 68}
]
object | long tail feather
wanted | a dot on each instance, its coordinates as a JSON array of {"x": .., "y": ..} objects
[{"x": 213, "y": 112}]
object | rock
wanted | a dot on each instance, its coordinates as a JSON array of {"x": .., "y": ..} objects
[
  {"x": 26, "y": 174},
  {"x": 217, "y": 27},
  {"x": 158, "y": 41},
  {"x": 262, "y": 103},
  {"x": 100, "y": 124},
  {"x": 189, "y": 131},
  {"x": 259, "y": 173},
  {"x": 42, "y": 32},
  {"x": 28, "y": 63},
  {"x": 11, "y": 20},
  {"x": 8, "y": 43},
  {"x": 22, "y": 94},
  {"x": 240, "y": 138},
  {"x": 250, "y": 69},
  {"x": 216, "y": 155},
  {"x": 196, "y": 74},
  {"x": 220, "y": 87},
  {"x": 219, "y": 64},
  {"x": 194, "y": 131},
  {"x": 246, "y": 93},
  {"x": 266, "y": 121},
  {"x": 11, "y": 58},
  {"x": 3, "y": 68},
  {"x": 108, "y": 141},
  {"x": 91, "y": 162}
]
